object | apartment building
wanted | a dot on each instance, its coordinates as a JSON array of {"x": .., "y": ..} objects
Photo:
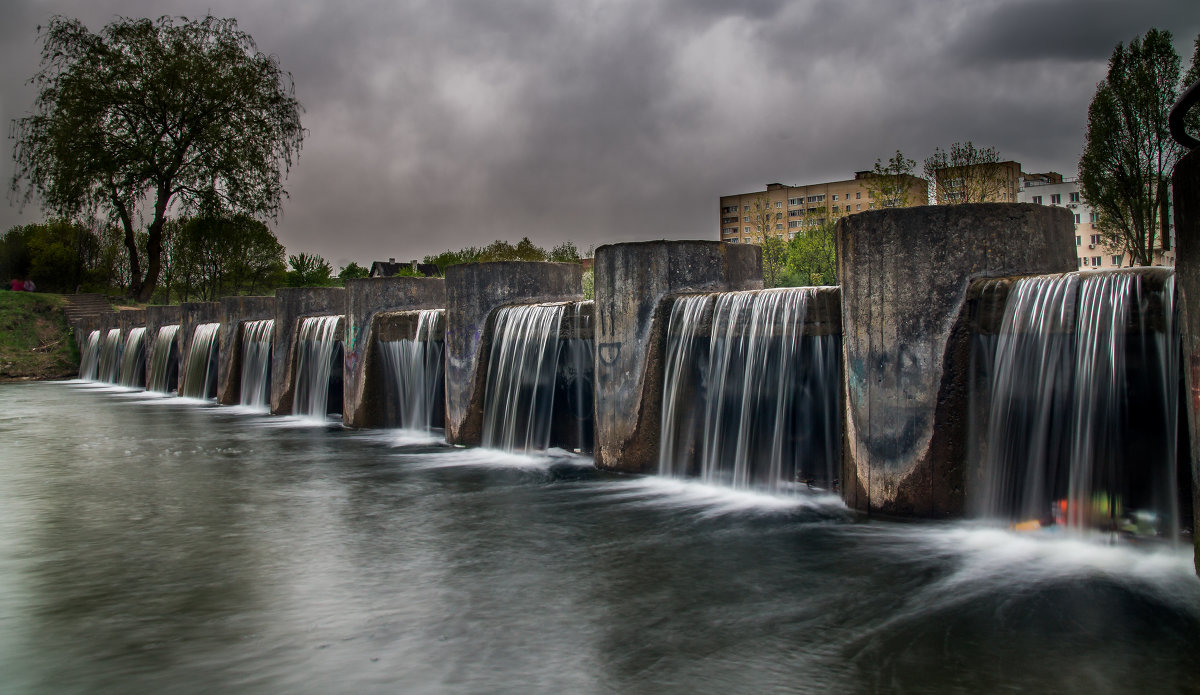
[
  {"x": 1051, "y": 189},
  {"x": 993, "y": 183},
  {"x": 783, "y": 211}
]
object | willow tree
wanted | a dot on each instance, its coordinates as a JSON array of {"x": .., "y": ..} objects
[
  {"x": 1129, "y": 154},
  {"x": 155, "y": 117}
]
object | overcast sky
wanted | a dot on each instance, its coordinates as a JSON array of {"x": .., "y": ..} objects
[{"x": 446, "y": 123}]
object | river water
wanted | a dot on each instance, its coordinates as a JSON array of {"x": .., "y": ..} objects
[{"x": 154, "y": 544}]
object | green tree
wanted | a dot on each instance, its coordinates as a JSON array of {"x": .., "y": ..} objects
[
  {"x": 564, "y": 253},
  {"x": 226, "y": 255},
  {"x": 445, "y": 259},
  {"x": 1129, "y": 154},
  {"x": 774, "y": 260},
  {"x": 308, "y": 270},
  {"x": 811, "y": 256},
  {"x": 352, "y": 271},
  {"x": 149, "y": 116},
  {"x": 965, "y": 174},
  {"x": 59, "y": 256},
  {"x": 890, "y": 183}
]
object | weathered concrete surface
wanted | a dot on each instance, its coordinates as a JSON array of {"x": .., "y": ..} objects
[
  {"x": 291, "y": 305},
  {"x": 365, "y": 298},
  {"x": 1186, "y": 197},
  {"x": 234, "y": 312},
  {"x": 192, "y": 314},
  {"x": 905, "y": 343},
  {"x": 631, "y": 282},
  {"x": 473, "y": 292},
  {"x": 156, "y": 318}
]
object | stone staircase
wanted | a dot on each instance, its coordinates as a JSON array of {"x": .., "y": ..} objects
[{"x": 82, "y": 306}]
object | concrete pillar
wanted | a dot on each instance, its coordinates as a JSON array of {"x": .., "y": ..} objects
[
  {"x": 473, "y": 292},
  {"x": 234, "y": 312},
  {"x": 905, "y": 343},
  {"x": 291, "y": 305},
  {"x": 192, "y": 314},
  {"x": 365, "y": 299},
  {"x": 1186, "y": 197},
  {"x": 631, "y": 282}
]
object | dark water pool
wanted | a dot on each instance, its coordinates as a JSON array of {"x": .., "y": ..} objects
[{"x": 152, "y": 545}]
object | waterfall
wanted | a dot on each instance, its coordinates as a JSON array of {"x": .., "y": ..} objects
[
  {"x": 200, "y": 370},
  {"x": 576, "y": 378},
  {"x": 109, "y": 369},
  {"x": 1082, "y": 409},
  {"x": 318, "y": 351},
  {"x": 164, "y": 361},
  {"x": 89, "y": 360},
  {"x": 133, "y": 358},
  {"x": 415, "y": 372},
  {"x": 519, "y": 398},
  {"x": 749, "y": 399},
  {"x": 256, "y": 363}
]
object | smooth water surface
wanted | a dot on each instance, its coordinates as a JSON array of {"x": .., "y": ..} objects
[{"x": 151, "y": 544}]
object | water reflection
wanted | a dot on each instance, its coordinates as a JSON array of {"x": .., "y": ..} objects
[{"x": 149, "y": 546}]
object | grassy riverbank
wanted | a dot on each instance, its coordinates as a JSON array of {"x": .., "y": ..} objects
[{"x": 35, "y": 342}]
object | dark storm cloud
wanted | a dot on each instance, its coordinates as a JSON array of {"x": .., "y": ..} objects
[
  {"x": 438, "y": 124},
  {"x": 1071, "y": 30}
]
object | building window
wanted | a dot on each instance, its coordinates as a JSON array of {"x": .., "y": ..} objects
[
  {"x": 1094, "y": 218},
  {"x": 1077, "y": 218},
  {"x": 870, "y": 205},
  {"x": 779, "y": 215},
  {"x": 747, "y": 209},
  {"x": 791, "y": 235},
  {"x": 747, "y": 231},
  {"x": 857, "y": 195},
  {"x": 1078, "y": 240},
  {"x": 1118, "y": 260},
  {"x": 1095, "y": 239},
  {"x": 728, "y": 220},
  {"x": 795, "y": 213},
  {"x": 870, "y": 194},
  {"x": 793, "y": 224},
  {"x": 746, "y": 218},
  {"x": 1037, "y": 200},
  {"x": 778, "y": 204},
  {"x": 1084, "y": 260},
  {"x": 730, "y": 230},
  {"x": 835, "y": 196},
  {"x": 816, "y": 198},
  {"x": 794, "y": 201},
  {"x": 1075, "y": 197},
  {"x": 779, "y": 227},
  {"x": 1056, "y": 199},
  {"x": 859, "y": 206},
  {"x": 835, "y": 208},
  {"x": 1096, "y": 261}
]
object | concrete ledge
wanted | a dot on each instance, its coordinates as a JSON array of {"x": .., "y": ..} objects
[
  {"x": 905, "y": 274},
  {"x": 291, "y": 305},
  {"x": 365, "y": 300},
  {"x": 632, "y": 280},
  {"x": 234, "y": 312},
  {"x": 473, "y": 292}
]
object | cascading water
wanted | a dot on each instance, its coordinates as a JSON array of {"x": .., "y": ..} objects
[
  {"x": 89, "y": 359},
  {"x": 256, "y": 363},
  {"x": 415, "y": 373},
  {"x": 1082, "y": 409},
  {"x": 200, "y": 370},
  {"x": 164, "y": 361},
  {"x": 519, "y": 399},
  {"x": 748, "y": 399},
  {"x": 133, "y": 359},
  {"x": 576, "y": 372},
  {"x": 318, "y": 383},
  {"x": 109, "y": 370}
]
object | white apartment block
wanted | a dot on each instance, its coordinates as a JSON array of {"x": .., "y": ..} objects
[{"x": 1051, "y": 189}]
